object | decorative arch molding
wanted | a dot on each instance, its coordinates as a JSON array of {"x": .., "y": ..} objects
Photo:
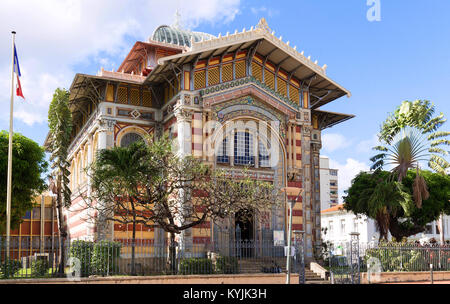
[
  {"x": 250, "y": 107},
  {"x": 251, "y": 90},
  {"x": 131, "y": 129}
]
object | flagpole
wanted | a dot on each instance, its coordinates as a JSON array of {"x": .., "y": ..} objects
[{"x": 9, "y": 183}]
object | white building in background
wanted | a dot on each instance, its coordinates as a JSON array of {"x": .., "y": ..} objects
[
  {"x": 328, "y": 184},
  {"x": 337, "y": 224}
]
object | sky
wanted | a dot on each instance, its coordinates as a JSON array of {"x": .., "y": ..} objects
[{"x": 402, "y": 55}]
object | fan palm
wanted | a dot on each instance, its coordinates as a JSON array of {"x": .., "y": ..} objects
[
  {"x": 419, "y": 115},
  {"x": 408, "y": 149}
]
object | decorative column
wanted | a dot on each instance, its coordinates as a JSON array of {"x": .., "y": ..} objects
[
  {"x": 105, "y": 230},
  {"x": 307, "y": 183},
  {"x": 184, "y": 138},
  {"x": 289, "y": 138},
  {"x": 90, "y": 227},
  {"x": 315, "y": 195}
]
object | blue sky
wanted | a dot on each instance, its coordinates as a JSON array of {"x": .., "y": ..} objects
[{"x": 404, "y": 56}]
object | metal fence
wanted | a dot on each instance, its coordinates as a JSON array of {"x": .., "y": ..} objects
[
  {"x": 107, "y": 258},
  {"x": 407, "y": 257},
  {"x": 346, "y": 260}
]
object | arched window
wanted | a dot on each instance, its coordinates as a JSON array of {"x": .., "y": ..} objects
[{"x": 129, "y": 138}]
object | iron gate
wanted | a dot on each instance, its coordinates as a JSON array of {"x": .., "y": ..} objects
[
  {"x": 299, "y": 258},
  {"x": 345, "y": 262}
]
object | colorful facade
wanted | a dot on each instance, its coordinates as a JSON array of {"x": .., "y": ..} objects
[
  {"x": 261, "y": 95},
  {"x": 37, "y": 232}
]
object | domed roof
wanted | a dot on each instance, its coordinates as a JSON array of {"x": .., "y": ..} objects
[{"x": 175, "y": 35}]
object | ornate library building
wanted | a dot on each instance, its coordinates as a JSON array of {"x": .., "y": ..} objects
[{"x": 188, "y": 85}]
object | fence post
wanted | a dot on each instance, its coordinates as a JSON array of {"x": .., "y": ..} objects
[
  {"x": 431, "y": 273},
  {"x": 354, "y": 258}
]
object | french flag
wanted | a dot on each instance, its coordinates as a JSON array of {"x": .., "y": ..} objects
[{"x": 17, "y": 71}]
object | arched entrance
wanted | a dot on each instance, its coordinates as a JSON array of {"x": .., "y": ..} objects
[{"x": 239, "y": 141}]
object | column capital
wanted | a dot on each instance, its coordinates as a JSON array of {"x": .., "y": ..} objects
[
  {"x": 183, "y": 114},
  {"x": 106, "y": 124}
]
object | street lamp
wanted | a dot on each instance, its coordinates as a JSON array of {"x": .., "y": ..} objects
[{"x": 291, "y": 191}]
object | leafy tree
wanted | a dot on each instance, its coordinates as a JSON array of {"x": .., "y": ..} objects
[
  {"x": 152, "y": 185},
  {"x": 28, "y": 165},
  {"x": 60, "y": 125},
  {"x": 391, "y": 203}
]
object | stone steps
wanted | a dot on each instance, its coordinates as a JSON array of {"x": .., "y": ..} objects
[{"x": 257, "y": 266}]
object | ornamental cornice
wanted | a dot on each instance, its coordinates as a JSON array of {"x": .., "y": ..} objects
[
  {"x": 238, "y": 83},
  {"x": 261, "y": 30}
]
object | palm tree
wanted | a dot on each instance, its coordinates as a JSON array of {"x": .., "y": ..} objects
[
  {"x": 60, "y": 125},
  {"x": 407, "y": 150},
  {"x": 410, "y": 136},
  {"x": 118, "y": 176},
  {"x": 419, "y": 115}
]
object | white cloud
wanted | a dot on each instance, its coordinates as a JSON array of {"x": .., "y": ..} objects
[
  {"x": 264, "y": 11},
  {"x": 54, "y": 36},
  {"x": 334, "y": 141},
  {"x": 366, "y": 146},
  {"x": 346, "y": 172}
]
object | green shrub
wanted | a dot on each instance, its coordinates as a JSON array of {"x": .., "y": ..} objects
[
  {"x": 227, "y": 265},
  {"x": 39, "y": 268},
  {"x": 104, "y": 257},
  {"x": 9, "y": 267},
  {"x": 82, "y": 250},
  {"x": 196, "y": 266}
]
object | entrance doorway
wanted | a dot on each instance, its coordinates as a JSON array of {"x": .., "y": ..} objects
[
  {"x": 243, "y": 223},
  {"x": 244, "y": 231}
]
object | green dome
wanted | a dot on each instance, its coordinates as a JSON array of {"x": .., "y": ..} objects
[{"x": 173, "y": 35}]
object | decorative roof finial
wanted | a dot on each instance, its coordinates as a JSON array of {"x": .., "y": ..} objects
[{"x": 262, "y": 24}]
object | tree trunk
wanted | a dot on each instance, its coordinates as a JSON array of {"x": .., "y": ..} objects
[
  {"x": 133, "y": 248},
  {"x": 172, "y": 258},
  {"x": 399, "y": 232},
  {"x": 62, "y": 230}
]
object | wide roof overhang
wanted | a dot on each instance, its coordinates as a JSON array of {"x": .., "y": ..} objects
[
  {"x": 328, "y": 119},
  {"x": 322, "y": 88}
]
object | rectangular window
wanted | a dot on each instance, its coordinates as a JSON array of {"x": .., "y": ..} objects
[
  {"x": 330, "y": 226},
  {"x": 199, "y": 79},
  {"x": 243, "y": 149},
  {"x": 222, "y": 155},
  {"x": 257, "y": 71},
  {"x": 122, "y": 95},
  {"x": 213, "y": 76},
  {"x": 227, "y": 72},
  {"x": 263, "y": 155},
  {"x": 36, "y": 213},
  {"x": 342, "y": 226},
  {"x": 239, "y": 69}
]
